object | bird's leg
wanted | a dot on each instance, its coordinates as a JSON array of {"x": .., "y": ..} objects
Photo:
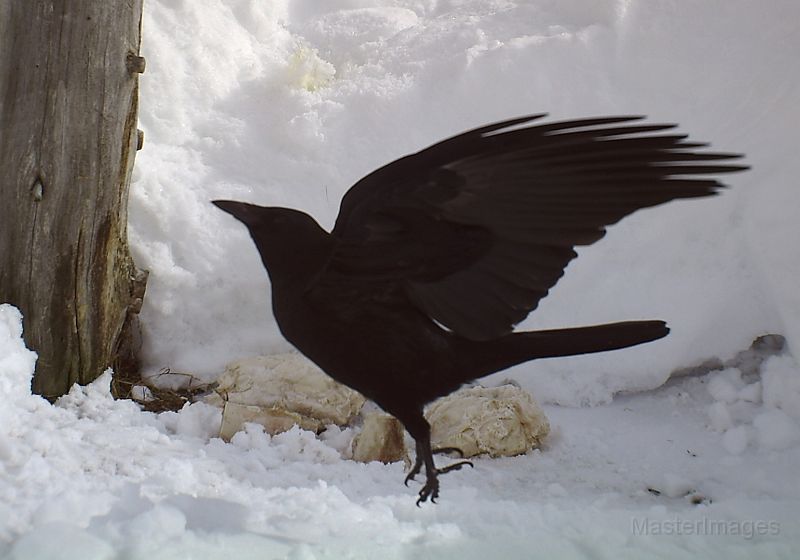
[
  {"x": 421, "y": 434},
  {"x": 415, "y": 469},
  {"x": 439, "y": 450},
  {"x": 431, "y": 487}
]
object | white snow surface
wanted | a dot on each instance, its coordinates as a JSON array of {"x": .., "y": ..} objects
[
  {"x": 290, "y": 102},
  {"x": 651, "y": 475}
]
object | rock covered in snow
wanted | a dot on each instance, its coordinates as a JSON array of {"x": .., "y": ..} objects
[
  {"x": 279, "y": 391},
  {"x": 381, "y": 439},
  {"x": 498, "y": 421}
]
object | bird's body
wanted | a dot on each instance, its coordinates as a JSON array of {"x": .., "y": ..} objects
[{"x": 436, "y": 256}]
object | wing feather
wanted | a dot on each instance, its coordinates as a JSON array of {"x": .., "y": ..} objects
[{"x": 476, "y": 229}]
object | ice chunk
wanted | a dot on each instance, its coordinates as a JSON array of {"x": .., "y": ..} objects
[
  {"x": 725, "y": 385},
  {"x": 781, "y": 381},
  {"x": 776, "y": 430},
  {"x": 751, "y": 393},
  {"x": 720, "y": 416}
]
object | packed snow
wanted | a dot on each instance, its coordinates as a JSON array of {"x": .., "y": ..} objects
[{"x": 290, "y": 102}]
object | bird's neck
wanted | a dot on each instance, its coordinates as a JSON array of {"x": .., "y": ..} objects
[{"x": 294, "y": 260}]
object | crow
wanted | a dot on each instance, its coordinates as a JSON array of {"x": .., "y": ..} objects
[{"x": 436, "y": 256}]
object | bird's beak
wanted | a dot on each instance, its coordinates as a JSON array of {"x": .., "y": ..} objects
[{"x": 242, "y": 211}]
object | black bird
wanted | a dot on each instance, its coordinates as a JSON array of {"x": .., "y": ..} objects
[{"x": 436, "y": 256}]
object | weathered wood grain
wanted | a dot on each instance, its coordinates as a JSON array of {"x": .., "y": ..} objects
[{"x": 68, "y": 111}]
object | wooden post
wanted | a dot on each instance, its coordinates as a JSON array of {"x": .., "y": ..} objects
[{"x": 68, "y": 108}]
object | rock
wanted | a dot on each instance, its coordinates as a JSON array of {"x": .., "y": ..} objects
[
  {"x": 498, "y": 421},
  {"x": 381, "y": 439},
  {"x": 284, "y": 390},
  {"x": 142, "y": 394},
  {"x": 275, "y": 420},
  {"x": 280, "y": 391}
]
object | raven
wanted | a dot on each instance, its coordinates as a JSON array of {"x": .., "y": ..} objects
[{"x": 436, "y": 256}]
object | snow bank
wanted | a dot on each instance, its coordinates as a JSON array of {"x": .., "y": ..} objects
[{"x": 288, "y": 103}]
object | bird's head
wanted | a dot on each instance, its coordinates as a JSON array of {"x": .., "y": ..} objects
[
  {"x": 283, "y": 237},
  {"x": 266, "y": 219}
]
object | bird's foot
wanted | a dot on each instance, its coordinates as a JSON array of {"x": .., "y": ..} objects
[
  {"x": 454, "y": 467},
  {"x": 431, "y": 487},
  {"x": 429, "y": 490}
]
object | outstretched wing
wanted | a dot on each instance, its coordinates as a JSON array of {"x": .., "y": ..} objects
[{"x": 476, "y": 229}]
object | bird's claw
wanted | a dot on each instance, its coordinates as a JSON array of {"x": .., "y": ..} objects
[
  {"x": 431, "y": 487},
  {"x": 430, "y": 490}
]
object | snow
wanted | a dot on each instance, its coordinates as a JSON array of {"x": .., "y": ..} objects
[
  {"x": 288, "y": 103},
  {"x": 763, "y": 410},
  {"x": 91, "y": 477},
  {"x": 782, "y": 385}
]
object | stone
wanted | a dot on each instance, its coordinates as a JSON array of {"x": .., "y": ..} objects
[
  {"x": 279, "y": 391},
  {"x": 381, "y": 439},
  {"x": 498, "y": 421}
]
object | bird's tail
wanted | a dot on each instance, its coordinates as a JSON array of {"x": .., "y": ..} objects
[
  {"x": 516, "y": 348},
  {"x": 586, "y": 340}
]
